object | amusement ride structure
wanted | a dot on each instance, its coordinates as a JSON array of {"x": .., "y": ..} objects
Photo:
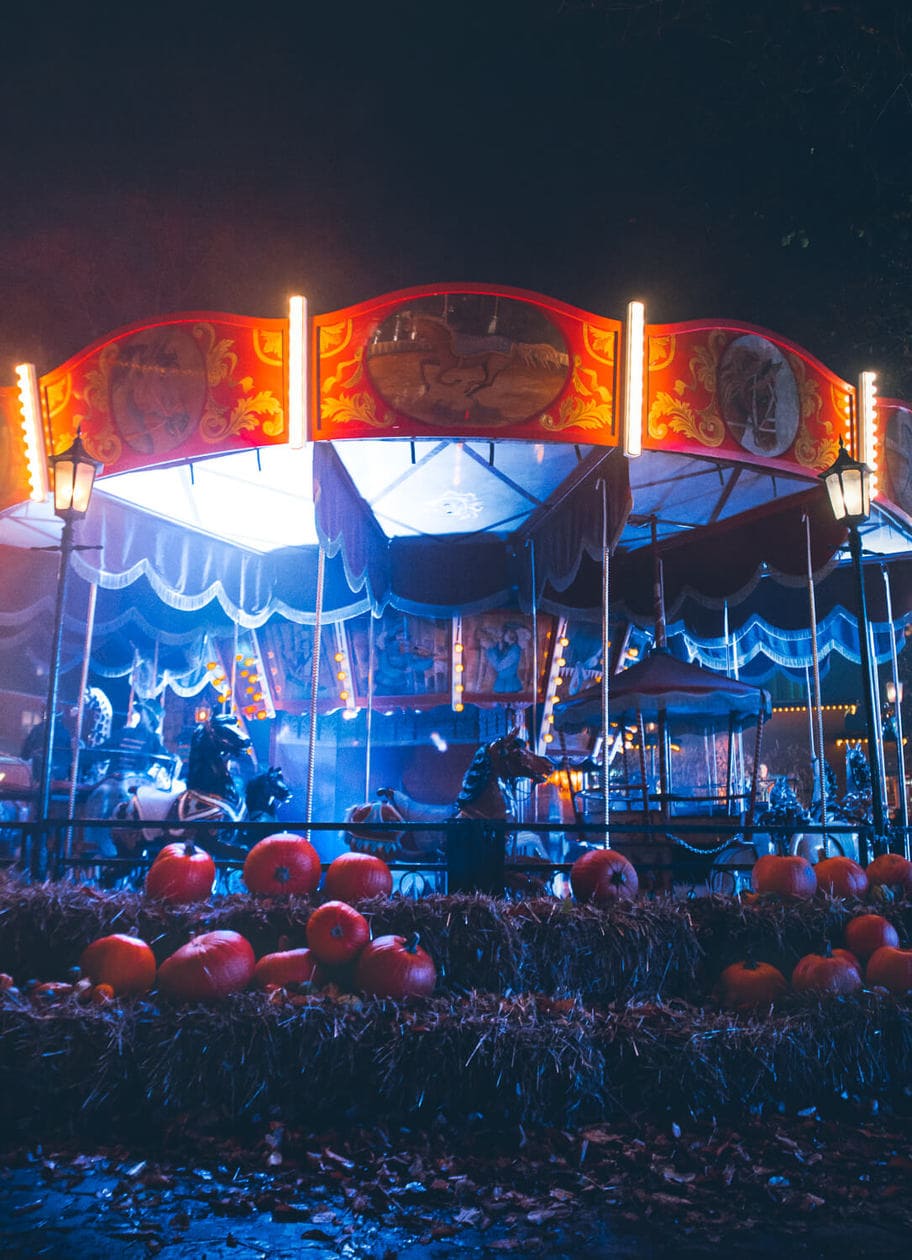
[{"x": 452, "y": 509}]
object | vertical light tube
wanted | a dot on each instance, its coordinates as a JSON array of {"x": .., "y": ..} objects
[
  {"x": 634, "y": 378},
  {"x": 867, "y": 424},
  {"x": 32, "y": 431},
  {"x": 297, "y": 371}
]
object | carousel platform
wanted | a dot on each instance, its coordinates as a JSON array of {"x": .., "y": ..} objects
[{"x": 545, "y": 1012}]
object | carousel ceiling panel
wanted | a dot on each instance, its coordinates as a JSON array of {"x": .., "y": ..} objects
[
  {"x": 439, "y": 488},
  {"x": 260, "y": 499},
  {"x": 682, "y": 492}
]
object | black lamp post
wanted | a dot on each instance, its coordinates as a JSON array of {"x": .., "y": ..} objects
[
  {"x": 848, "y": 483},
  {"x": 74, "y": 477}
]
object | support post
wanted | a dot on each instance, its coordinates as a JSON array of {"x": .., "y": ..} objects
[
  {"x": 872, "y": 717},
  {"x": 40, "y": 839}
]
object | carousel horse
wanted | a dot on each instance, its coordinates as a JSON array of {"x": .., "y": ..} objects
[
  {"x": 213, "y": 792},
  {"x": 489, "y": 784}
]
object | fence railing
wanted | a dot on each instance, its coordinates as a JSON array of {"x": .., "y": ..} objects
[{"x": 480, "y": 854}]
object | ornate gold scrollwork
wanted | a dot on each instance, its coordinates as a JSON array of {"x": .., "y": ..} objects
[{"x": 588, "y": 405}]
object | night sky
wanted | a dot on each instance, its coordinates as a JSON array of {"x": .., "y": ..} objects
[{"x": 749, "y": 161}]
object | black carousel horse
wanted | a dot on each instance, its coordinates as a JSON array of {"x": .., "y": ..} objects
[
  {"x": 489, "y": 791},
  {"x": 214, "y": 792}
]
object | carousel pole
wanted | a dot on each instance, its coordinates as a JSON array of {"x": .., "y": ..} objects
[
  {"x": 314, "y": 687},
  {"x": 606, "y": 658},
  {"x": 533, "y": 730},
  {"x": 661, "y": 642},
  {"x": 80, "y": 709},
  {"x": 730, "y": 757},
  {"x": 370, "y": 704},
  {"x": 819, "y": 759},
  {"x": 897, "y": 715}
]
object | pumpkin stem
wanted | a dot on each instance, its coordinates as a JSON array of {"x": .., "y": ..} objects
[
  {"x": 189, "y": 848},
  {"x": 282, "y": 874},
  {"x": 411, "y": 945},
  {"x": 828, "y": 949}
]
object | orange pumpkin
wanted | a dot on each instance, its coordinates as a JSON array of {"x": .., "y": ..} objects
[
  {"x": 282, "y": 863},
  {"x": 210, "y": 966},
  {"x": 841, "y": 877},
  {"x": 181, "y": 873},
  {"x": 830, "y": 972},
  {"x": 891, "y": 968},
  {"x": 893, "y": 870},
  {"x": 356, "y": 876},
  {"x": 602, "y": 876},
  {"x": 748, "y": 984},
  {"x": 867, "y": 933},
  {"x": 337, "y": 933},
  {"x": 394, "y": 967},
  {"x": 785, "y": 876},
  {"x": 126, "y": 963},
  {"x": 287, "y": 966}
]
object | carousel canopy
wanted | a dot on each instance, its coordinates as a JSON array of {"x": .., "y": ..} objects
[
  {"x": 447, "y": 450},
  {"x": 699, "y": 698}
]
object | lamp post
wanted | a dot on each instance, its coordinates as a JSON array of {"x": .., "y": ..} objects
[
  {"x": 74, "y": 477},
  {"x": 848, "y": 483}
]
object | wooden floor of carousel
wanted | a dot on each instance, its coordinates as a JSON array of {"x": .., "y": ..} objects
[{"x": 595, "y": 1033}]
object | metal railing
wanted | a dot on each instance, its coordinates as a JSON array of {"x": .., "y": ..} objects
[{"x": 480, "y": 855}]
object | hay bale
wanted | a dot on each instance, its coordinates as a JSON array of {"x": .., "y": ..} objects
[{"x": 327, "y": 1059}]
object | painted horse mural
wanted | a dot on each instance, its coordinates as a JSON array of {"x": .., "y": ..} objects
[{"x": 481, "y": 359}]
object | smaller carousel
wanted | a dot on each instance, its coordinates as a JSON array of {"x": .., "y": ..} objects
[{"x": 677, "y": 781}]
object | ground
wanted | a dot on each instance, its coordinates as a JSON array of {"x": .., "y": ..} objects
[{"x": 787, "y": 1185}]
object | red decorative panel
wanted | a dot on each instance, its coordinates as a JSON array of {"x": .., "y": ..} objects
[
  {"x": 14, "y": 479},
  {"x": 465, "y": 360},
  {"x": 894, "y": 445},
  {"x": 744, "y": 394},
  {"x": 182, "y": 387}
]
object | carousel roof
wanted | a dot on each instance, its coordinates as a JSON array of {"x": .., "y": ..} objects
[
  {"x": 467, "y": 453},
  {"x": 660, "y": 684}
]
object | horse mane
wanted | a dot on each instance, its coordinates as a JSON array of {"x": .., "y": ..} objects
[{"x": 477, "y": 777}]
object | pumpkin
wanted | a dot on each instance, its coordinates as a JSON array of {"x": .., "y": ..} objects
[
  {"x": 867, "y": 933},
  {"x": 789, "y": 876},
  {"x": 394, "y": 967},
  {"x": 282, "y": 863},
  {"x": 126, "y": 963},
  {"x": 209, "y": 966},
  {"x": 893, "y": 870},
  {"x": 287, "y": 966},
  {"x": 602, "y": 876},
  {"x": 891, "y": 968},
  {"x": 51, "y": 990},
  {"x": 746, "y": 984},
  {"x": 356, "y": 876},
  {"x": 336, "y": 933},
  {"x": 830, "y": 972},
  {"x": 182, "y": 872},
  {"x": 841, "y": 877}
]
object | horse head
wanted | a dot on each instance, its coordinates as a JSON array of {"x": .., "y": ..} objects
[
  {"x": 512, "y": 758},
  {"x": 213, "y": 745},
  {"x": 225, "y": 735},
  {"x": 265, "y": 793}
]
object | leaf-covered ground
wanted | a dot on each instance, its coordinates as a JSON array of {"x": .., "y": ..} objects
[{"x": 793, "y": 1186}]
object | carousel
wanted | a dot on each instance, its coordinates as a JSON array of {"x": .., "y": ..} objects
[
  {"x": 383, "y": 537},
  {"x": 469, "y": 593}
]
